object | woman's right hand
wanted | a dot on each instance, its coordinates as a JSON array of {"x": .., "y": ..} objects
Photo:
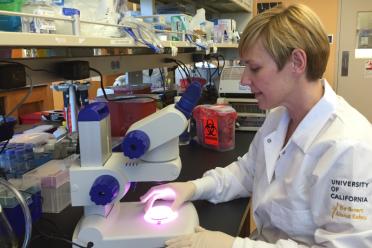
[{"x": 178, "y": 192}]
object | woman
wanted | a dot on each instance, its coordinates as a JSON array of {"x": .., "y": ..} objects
[{"x": 309, "y": 166}]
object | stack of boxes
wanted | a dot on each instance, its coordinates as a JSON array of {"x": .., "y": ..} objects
[{"x": 53, "y": 180}]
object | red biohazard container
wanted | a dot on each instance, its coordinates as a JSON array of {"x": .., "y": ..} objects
[
  {"x": 124, "y": 113},
  {"x": 215, "y": 126}
]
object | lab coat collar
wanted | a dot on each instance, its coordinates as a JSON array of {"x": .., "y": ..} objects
[
  {"x": 314, "y": 121},
  {"x": 273, "y": 144},
  {"x": 306, "y": 131}
]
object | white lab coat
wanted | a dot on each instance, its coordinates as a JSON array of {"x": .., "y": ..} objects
[{"x": 316, "y": 191}]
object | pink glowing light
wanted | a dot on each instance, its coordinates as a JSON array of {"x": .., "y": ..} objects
[{"x": 160, "y": 215}]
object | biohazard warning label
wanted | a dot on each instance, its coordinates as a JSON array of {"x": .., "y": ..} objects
[{"x": 210, "y": 131}]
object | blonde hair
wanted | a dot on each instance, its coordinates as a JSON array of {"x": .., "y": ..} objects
[{"x": 283, "y": 29}]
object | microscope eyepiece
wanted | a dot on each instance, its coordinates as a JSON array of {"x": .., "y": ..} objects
[{"x": 189, "y": 99}]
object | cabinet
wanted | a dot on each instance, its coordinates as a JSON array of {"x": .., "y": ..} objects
[{"x": 40, "y": 99}]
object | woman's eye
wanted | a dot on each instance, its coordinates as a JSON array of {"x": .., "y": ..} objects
[{"x": 255, "y": 69}]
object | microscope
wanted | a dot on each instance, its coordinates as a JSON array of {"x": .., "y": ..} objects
[{"x": 102, "y": 178}]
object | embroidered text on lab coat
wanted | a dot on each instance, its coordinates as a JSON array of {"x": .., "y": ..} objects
[
  {"x": 348, "y": 183},
  {"x": 337, "y": 184}
]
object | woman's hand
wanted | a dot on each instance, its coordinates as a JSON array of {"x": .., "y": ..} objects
[
  {"x": 178, "y": 192},
  {"x": 202, "y": 238}
]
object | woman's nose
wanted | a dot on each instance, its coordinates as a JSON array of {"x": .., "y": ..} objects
[
  {"x": 245, "y": 82},
  {"x": 245, "y": 79}
]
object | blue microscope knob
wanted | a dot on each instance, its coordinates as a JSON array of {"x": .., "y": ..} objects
[
  {"x": 135, "y": 144},
  {"x": 104, "y": 190}
]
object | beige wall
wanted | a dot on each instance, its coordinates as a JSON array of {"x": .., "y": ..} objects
[{"x": 328, "y": 13}]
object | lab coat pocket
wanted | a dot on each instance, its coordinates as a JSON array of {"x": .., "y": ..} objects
[{"x": 294, "y": 222}]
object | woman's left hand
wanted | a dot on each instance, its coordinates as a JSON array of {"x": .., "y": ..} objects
[{"x": 202, "y": 238}]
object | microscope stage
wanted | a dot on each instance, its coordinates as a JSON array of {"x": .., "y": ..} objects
[{"x": 126, "y": 226}]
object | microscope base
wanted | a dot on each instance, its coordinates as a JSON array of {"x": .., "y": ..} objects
[{"x": 125, "y": 227}]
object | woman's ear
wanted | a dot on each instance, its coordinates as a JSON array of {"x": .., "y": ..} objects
[{"x": 298, "y": 60}]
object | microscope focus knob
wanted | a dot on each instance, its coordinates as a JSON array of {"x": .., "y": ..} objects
[
  {"x": 135, "y": 144},
  {"x": 104, "y": 190}
]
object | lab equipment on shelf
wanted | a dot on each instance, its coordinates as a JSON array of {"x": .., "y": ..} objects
[{"x": 38, "y": 25}]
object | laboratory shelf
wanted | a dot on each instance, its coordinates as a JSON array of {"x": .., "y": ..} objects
[
  {"x": 108, "y": 55},
  {"x": 217, "y": 6},
  {"x": 14, "y": 39},
  {"x": 25, "y": 40}
]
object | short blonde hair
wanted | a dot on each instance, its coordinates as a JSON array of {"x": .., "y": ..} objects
[{"x": 283, "y": 29}]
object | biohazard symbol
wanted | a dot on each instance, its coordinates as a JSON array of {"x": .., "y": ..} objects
[{"x": 210, "y": 128}]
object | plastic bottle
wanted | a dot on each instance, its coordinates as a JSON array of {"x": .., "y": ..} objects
[
  {"x": 19, "y": 162},
  {"x": 10, "y": 162},
  {"x": 29, "y": 156},
  {"x": 225, "y": 37},
  {"x": 58, "y": 2},
  {"x": 99, "y": 11},
  {"x": 2, "y": 161},
  {"x": 38, "y": 25},
  {"x": 64, "y": 9},
  {"x": 49, "y": 148},
  {"x": 38, "y": 155}
]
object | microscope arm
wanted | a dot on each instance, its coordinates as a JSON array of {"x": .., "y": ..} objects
[
  {"x": 151, "y": 153},
  {"x": 112, "y": 179},
  {"x": 155, "y": 138}
]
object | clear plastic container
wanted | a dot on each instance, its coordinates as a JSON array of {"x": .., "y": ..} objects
[
  {"x": 8, "y": 200},
  {"x": 29, "y": 155},
  {"x": 50, "y": 168},
  {"x": 9, "y": 164},
  {"x": 38, "y": 25},
  {"x": 215, "y": 126},
  {"x": 64, "y": 9},
  {"x": 53, "y": 178},
  {"x": 20, "y": 162},
  {"x": 56, "y": 199},
  {"x": 2, "y": 162},
  {"x": 13, "y": 210},
  {"x": 99, "y": 11}
]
